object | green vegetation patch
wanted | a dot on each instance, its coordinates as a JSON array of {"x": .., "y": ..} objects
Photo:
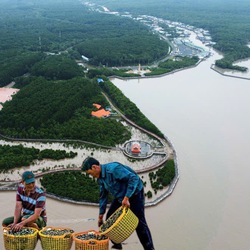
[
  {"x": 74, "y": 185},
  {"x": 173, "y": 64},
  {"x": 19, "y": 156},
  {"x": 163, "y": 176},
  {"x": 17, "y": 65},
  {"x": 57, "y": 67}
]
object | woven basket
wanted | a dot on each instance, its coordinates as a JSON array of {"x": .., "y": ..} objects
[
  {"x": 91, "y": 244},
  {"x": 123, "y": 227},
  {"x": 59, "y": 242},
  {"x": 20, "y": 242}
]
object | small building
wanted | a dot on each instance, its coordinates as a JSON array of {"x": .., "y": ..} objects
[
  {"x": 85, "y": 58},
  {"x": 101, "y": 113},
  {"x": 98, "y": 106},
  {"x": 136, "y": 148}
]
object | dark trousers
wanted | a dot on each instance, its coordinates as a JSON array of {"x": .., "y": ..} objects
[{"x": 137, "y": 207}]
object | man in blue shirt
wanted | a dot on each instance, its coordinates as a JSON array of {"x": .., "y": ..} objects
[{"x": 127, "y": 188}]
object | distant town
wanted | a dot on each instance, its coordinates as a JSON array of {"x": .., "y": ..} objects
[{"x": 175, "y": 33}]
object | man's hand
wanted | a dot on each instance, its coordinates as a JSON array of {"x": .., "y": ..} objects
[
  {"x": 100, "y": 220},
  {"x": 17, "y": 227},
  {"x": 11, "y": 225},
  {"x": 125, "y": 202}
]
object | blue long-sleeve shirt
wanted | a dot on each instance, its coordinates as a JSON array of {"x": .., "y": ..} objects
[{"x": 119, "y": 180}]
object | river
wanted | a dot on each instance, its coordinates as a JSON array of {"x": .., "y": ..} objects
[{"x": 206, "y": 117}]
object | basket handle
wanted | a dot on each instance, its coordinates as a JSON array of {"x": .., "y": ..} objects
[{"x": 67, "y": 235}]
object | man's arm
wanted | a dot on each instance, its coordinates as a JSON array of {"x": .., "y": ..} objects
[
  {"x": 25, "y": 222},
  {"x": 100, "y": 220},
  {"x": 17, "y": 213}
]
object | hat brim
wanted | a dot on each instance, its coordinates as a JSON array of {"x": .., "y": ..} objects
[{"x": 30, "y": 180}]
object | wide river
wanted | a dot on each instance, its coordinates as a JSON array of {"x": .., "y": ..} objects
[{"x": 207, "y": 118}]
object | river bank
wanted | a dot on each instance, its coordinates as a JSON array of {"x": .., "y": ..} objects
[{"x": 222, "y": 72}]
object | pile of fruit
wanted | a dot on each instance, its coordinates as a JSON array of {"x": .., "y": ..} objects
[
  {"x": 23, "y": 231},
  {"x": 57, "y": 232},
  {"x": 91, "y": 236}
]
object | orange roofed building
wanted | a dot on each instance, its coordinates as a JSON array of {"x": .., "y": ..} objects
[
  {"x": 98, "y": 106},
  {"x": 136, "y": 148},
  {"x": 101, "y": 112}
]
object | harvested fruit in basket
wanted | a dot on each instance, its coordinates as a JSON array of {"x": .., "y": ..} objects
[
  {"x": 91, "y": 236},
  {"x": 111, "y": 220},
  {"x": 56, "y": 232},
  {"x": 23, "y": 231}
]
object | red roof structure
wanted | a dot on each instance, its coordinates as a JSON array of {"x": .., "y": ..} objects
[
  {"x": 136, "y": 148},
  {"x": 100, "y": 113},
  {"x": 98, "y": 106}
]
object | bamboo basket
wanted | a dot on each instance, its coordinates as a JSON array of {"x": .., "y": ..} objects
[
  {"x": 90, "y": 244},
  {"x": 123, "y": 227},
  {"x": 20, "y": 242},
  {"x": 56, "y": 242}
]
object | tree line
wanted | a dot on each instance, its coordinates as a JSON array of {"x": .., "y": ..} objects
[
  {"x": 19, "y": 156},
  {"x": 128, "y": 108}
]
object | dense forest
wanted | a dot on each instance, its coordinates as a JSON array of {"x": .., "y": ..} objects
[
  {"x": 228, "y": 21},
  {"x": 46, "y": 109},
  {"x": 29, "y": 29}
]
